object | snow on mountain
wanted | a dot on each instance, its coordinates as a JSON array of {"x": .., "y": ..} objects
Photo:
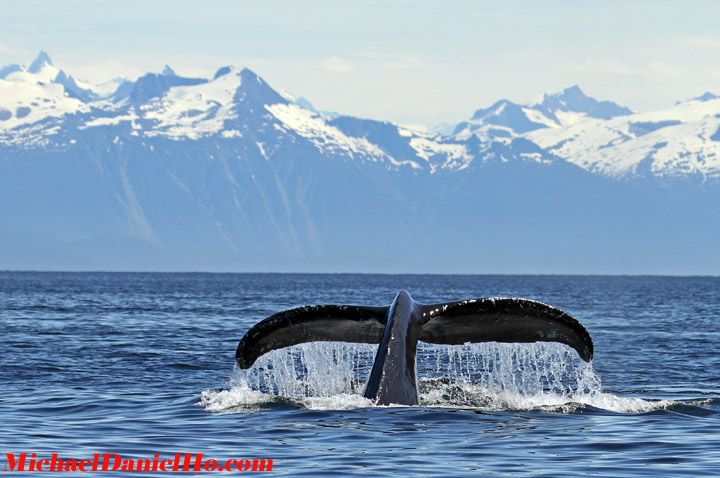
[
  {"x": 42, "y": 67},
  {"x": 707, "y": 96},
  {"x": 682, "y": 140},
  {"x": 445, "y": 128},
  {"x": 557, "y": 110},
  {"x": 43, "y": 92},
  {"x": 192, "y": 111},
  {"x": 324, "y": 136},
  {"x": 8, "y": 69},
  {"x": 232, "y": 104},
  {"x": 605, "y": 138},
  {"x": 507, "y": 114},
  {"x": 42, "y": 105},
  {"x": 570, "y": 104},
  {"x": 30, "y": 95},
  {"x": 154, "y": 85},
  {"x": 228, "y": 173}
]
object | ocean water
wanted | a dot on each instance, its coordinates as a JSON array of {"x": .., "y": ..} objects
[{"x": 138, "y": 364}]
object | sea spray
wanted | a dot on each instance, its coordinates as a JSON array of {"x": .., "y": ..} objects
[
  {"x": 503, "y": 376},
  {"x": 531, "y": 369},
  {"x": 315, "y": 369},
  {"x": 486, "y": 376}
]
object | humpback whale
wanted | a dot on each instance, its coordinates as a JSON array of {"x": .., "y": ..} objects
[{"x": 398, "y": 328}]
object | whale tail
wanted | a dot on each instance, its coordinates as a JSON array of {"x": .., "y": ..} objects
[
  {"x": 313, "y": 323},
  {"x": 478, "y": 320},
  {"x": 505, "y": 319}
]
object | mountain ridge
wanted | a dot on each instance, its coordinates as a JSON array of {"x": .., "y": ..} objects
[
  {"x": 228, "y": 173},
  {"x": 553, "y": 124}
]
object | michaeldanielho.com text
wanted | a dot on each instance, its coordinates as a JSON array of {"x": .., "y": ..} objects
[{"x": 110, "y": 462}]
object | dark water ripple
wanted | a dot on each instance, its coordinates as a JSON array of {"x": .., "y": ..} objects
[{"x": 116, "y": 363}]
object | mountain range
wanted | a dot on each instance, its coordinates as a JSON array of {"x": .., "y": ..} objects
[{"x": 227, "y": 173}]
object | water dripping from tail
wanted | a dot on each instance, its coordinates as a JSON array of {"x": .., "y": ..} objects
[
  {"x": 499, "y": 376},
  {"x": 317, "y": 375},
  {"x": 483, "y": 376}
]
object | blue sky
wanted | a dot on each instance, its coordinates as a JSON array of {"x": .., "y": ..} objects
[{"x": 408, "y": 61}]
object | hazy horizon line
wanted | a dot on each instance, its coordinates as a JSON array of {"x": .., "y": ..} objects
[{"x": 494, "y": 274}]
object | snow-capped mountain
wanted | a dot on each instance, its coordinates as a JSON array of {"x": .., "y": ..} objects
[
  {"x": 572, "y": 104},
  {"x": 599, "y": 136},
  {"x": 564, "y": 108},
  {"x": 30, "y": 95},
  {"x": 680, "y": 141},
  {"x": 605, "y": 138},
  {"x": 228, "y": 173},
  {"x": 43, "y": 106}
]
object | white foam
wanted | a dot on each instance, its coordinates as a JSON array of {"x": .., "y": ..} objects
[
  {"x": 487, "y": 377},
  {"x": 343, "y": 401},
  {"x": 238, "y": 398}
]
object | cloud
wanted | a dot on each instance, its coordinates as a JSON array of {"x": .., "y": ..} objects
[{"x": 335, "y": 63}]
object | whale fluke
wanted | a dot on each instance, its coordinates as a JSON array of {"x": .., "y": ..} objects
[
  {"x": 503, "y": 319},
  {"x": 313, "y": 323},
  {"x": 398, "y": 328}
]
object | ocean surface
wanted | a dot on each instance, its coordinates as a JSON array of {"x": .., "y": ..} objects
[{"x": 138, "y": 364}]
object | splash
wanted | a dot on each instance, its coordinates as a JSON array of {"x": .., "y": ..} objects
[
  {"x": 496, "y": 376},
  {"x": 315, "y": 369},
  {"x": 315, "y": 375},
  {"x": 486, "y": 376}
]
